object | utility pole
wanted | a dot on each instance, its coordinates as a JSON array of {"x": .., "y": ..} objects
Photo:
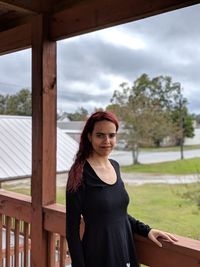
[
  {"x": 181, "y": 117},
  {"x": 181, "y": 125}
]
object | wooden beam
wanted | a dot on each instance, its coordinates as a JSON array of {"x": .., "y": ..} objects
[
  {"x": 64, "y": 4},
  {"x": 183, "y": 253},
  {"x": 54, "y": 215},
  {"x": 97, "y": 14},
  {"x": 43, "y": 183},
  {"x": 12, "y": 5},
  {"x": 15, "y": 39},
  {"x": 33, "y": 7},
  {"x": 22, "y": 5},
  {"x": 15, "y": 205}
]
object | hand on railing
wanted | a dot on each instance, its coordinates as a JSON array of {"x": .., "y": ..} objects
[{"x": 154, "y": 234}]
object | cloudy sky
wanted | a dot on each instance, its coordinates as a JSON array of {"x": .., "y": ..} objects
[{"x": 91, "y": 66}]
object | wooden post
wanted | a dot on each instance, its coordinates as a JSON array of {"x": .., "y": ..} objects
[{"x": 43, "y": 183}]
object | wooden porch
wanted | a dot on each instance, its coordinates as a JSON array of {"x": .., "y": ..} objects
[{"x": 38, "y": 219}]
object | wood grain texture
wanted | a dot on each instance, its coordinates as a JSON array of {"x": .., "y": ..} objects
[
  {"x": 93, "y": 15},
  {"x": 15, "y": 205},
  {"x": 43, "y": 183},
  {"x": 15, "y": 39},
  {"x": 16, "y": 249}
]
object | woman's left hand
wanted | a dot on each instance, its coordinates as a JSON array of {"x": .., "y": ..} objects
[{"x": 154, "y": 234}]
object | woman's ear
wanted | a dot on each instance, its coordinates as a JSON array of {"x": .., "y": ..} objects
[{"x": 89, "y": 137}]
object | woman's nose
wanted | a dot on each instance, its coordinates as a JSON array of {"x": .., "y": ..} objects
[{"x": 106, "y": 138}]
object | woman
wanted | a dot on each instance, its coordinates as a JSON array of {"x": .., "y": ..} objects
[{"x": 96, "y": 191}]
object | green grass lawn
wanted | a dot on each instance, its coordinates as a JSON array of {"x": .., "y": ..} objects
[
  {"x": 171, "y": 148},
  {"x": 186, "y": 166},
  {"x": 162, "y": 207}
]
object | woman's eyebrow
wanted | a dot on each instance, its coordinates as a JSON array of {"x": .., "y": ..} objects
[
  {"x": 111, "y": 133},
  {"x": 105, "y": 133}
]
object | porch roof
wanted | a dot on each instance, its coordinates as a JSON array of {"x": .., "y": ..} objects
[{"x": 73, "y": 17}]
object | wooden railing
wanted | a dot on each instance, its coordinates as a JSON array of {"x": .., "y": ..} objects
[
  {"x": 15, "y": 219},
  {"x": 18, "y": 253},
  {"x": 54, "y": 223},
  {"x": 184, "y": 253}
]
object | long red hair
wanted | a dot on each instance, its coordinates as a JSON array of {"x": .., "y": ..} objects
[{"x": 85, "y": 147}]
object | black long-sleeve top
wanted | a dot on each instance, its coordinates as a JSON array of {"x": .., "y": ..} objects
[{"x": 108, "y": 236}]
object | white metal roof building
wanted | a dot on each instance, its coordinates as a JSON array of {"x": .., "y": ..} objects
[{"x": 15, "y": 148}]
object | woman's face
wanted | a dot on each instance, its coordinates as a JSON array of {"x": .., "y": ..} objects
[{"x": 103, "y": 138}]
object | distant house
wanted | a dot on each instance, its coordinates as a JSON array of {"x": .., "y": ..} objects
[
  {"x": 15, "y": 148},
  {"x": 194, "y": 140},
  {"x": 72, "y": 128}
]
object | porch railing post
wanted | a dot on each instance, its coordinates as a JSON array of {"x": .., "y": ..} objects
[{"x": 43, "y": 183}]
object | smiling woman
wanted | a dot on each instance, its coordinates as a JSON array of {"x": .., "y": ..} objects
[{"x": 96, "y": 192}]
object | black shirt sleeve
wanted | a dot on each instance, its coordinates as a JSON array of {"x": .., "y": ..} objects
[
  {"x": 139, "y": 227},
  {"x": 73, "y": 218}
]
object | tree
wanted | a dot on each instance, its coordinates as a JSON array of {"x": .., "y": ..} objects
[
  {"x": 97, "y": 109},
  {"x": 3, "y": 101},
  {"x": 24, "y": 102},
  {"x": 116, "y": 109},
  {"x": 80, "y": 114},
  {"x": 182, "y": 119},
  {"x": 184, "y": 123},
  {"x": 146, "y": 107},
  {"x": 17, "y": 104},
  {"x": 196, "y": 118}
]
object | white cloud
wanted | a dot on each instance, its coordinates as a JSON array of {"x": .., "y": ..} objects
[
  {"x": 118, "y": 37},
  {"x": 15, "y": 71}
]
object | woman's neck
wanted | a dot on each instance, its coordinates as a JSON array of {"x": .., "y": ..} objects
[{"x": 98, "y": 161}]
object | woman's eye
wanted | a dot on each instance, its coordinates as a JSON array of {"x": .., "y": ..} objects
[
  {"x": 112, "y": 135},
  {"x": 100, "y": 135}
]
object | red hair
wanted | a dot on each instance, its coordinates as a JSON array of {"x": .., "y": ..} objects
[{"x": 85, "y": 147}]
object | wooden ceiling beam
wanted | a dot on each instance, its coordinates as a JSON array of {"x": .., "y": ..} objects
[
  {"x": 64, "y": 4},
  {"x": 35, "y": 6},
  {"x": 9, "y": 6},
  {"x": 15, "y": 39},
  {"x": 92, "y": 15},
  {"x": 22, "y": 5}
]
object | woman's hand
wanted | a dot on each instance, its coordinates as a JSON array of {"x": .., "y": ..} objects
[{"x": 154, "y": 234}]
